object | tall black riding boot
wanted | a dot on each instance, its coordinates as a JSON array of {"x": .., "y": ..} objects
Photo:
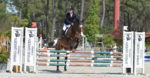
[{"x": 62, "y": 34}]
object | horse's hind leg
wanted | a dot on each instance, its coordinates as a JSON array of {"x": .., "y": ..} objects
[
  {"x": 65, "y": 67},
  {"x": 57, "y": 63},
  {"x": 57, "y": 48}
]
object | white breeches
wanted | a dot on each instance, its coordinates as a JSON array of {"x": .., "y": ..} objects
[{"x": 65, "y": 27}]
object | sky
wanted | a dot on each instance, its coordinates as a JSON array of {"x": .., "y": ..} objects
[{"x": 11, "y": 8}]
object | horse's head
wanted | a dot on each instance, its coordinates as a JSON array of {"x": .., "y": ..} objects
[
  {"x": 75, "y": 30},
  {"x": 78, "y": 28},
  {"x": 81, "y": 30}
]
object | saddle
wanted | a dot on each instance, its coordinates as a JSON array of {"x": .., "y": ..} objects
[
  {"x": 65, "y": 32},
  {"x": 67, "y": 29}
]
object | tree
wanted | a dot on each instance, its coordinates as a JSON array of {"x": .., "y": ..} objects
[
  {"x": 82, "y": 10},
  {"x": 4, "y": 18},
  {"x": 92, "y": 24},
  {"x": 103, "y": 16},
  {"x": 134, "y": 14},
  {"x": 66, "y": 5},
  {"x": 3, "y": 14},
  {"x": 47, "y": 26},
  {"x": 20, "y": 5},
  {"x": 53, "y": 20},
  {"x": 108, "y": 40}
]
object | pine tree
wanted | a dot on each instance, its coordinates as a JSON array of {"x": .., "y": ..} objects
[{"x": 92, "y": 24}]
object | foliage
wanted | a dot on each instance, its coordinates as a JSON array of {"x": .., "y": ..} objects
[
  {"x": 0, "y": 33},
  {"x": 147, "y": 44},
  {"x": 109, "y": 14},
  {"x": 8, "y": 33},
  {"x": 108, "y": 40},
  {"x": 4, "y": 55},
  {"x": 4, "y": 17},
  {"x": 25, "y": 22},
  {"x": 119, "y": 42},
  {"x": 14, "y": 19},
  {"x": 3, "y": 14},
  {"x": 133, "y": 13},
  {"x": 92, "y": 24},
  {"x": 106, "y": 29}
]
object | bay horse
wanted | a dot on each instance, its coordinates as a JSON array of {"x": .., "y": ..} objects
[{"x": 70, "y": 40}]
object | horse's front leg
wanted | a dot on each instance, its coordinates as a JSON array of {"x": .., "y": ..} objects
[
  {"x": 78, "y": 41},
  {"x": 71, "y": 43}
]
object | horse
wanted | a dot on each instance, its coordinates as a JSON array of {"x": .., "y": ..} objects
[
  {"x": 72, "y": 37},
  {"x": 70, "y": 40}
]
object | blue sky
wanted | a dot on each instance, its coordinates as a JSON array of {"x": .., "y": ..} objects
[{"x": 11, "y": 8}]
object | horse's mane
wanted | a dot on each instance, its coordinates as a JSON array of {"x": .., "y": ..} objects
[{"x": 77, "y": 21}]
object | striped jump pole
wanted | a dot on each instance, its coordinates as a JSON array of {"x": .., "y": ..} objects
[
  {"x": 86, "y": 65},
  {"x": 63, "y": 55},
  {"x": 83, "y": 61},
  {"x": 90, "y": 62},
  {"x": 92, "y": 52}
]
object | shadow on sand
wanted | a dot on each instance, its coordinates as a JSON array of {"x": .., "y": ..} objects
[{"x": 63, "y": 72}]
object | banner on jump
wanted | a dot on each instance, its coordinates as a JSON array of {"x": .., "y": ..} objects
[
  {"x": 30, "y": 46},
  {"x": 133, "y": 51},
  {"x": 139, "y": 49},
  {"x": 16, "y": 46},
  {"x": 128, "y": 49}
]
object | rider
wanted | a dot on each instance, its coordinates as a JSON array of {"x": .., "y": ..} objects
[{"x": 70, "y": 18}]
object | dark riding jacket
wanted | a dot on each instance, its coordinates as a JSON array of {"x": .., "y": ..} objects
[{"x": 70, "y": 19}]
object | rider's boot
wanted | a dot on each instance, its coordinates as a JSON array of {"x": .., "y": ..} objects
[{"x": 62, "y": 34}]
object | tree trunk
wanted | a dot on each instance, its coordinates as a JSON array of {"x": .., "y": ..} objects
[
  {"x": 66, "y": 5},
  {"x": 20, "y": 17},
  {"x": 82, "y": 10},
  {"x": 47, "y": 26},
  {"x": 103, "y": 16},
  {"x": 53, "y": 20},
  {"x": 26, "y": 2}
]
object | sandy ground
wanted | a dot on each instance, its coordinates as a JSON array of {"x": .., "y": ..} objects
[{"x": 78, "y": 72}]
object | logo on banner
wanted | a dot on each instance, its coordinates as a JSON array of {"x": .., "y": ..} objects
[
  {"x": 31, "y": 34},
  {"x": 17, "y": 33},
  {"x": 128, "y": 37},
  {"x": 140, "y": 39}
]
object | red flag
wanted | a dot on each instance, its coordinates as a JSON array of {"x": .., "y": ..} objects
[
  {"x": 34, "y": 24},
  {"x": 40, "y": 35}
]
